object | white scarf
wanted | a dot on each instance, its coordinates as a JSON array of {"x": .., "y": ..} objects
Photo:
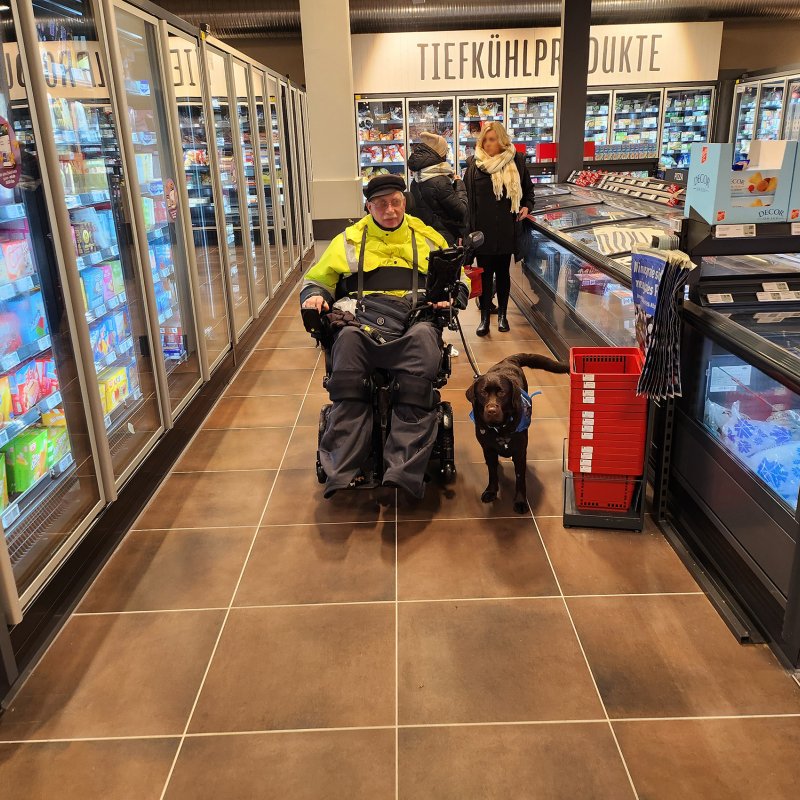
[
  {"x": 504, "y": 172},
  {"x": 434, "y": 171}
]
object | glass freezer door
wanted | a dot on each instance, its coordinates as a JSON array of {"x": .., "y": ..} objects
[
  {"x": 473, "y": 114},
  {"x": 290, "y": 138},
  {"x": 770, "y": 110},
  {"x": 194, "y": 133},
  {"x": 92, "y": 179},
  {"x": 636, "y": 117},
  {"x": 434, "y": 114},
  {"x": 597, "y": 113},
  {"x": 157, "y": 172},
  {"x": 531, "y": 119},
  {"x": 302, "y": 176},
  {"x": 251, "y": 185},
  {"x": 745, "y": 121},
  {"x": 48, "y": 482},
  {"x": 686, "y": 120},
  {"x": 232, "y": 201},
  {"x": 279, "y": 148},
  {"x": 381, "y": 137},
  {"x": 267, "y": 175},
  {"x": 791, "y": 129}
]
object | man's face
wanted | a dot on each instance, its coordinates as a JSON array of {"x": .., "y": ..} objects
[{"x": 388, "y": 210}]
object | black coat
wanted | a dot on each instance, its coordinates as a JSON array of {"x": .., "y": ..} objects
[
  {"x": 439, "y": 202},
  {"x": 491, "y": 216}
]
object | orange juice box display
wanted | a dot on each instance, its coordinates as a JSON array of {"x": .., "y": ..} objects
[
  {"x": 26, "y": 459},
  {"x": 17, "y": 262},
  {"x": 113, "y": 387},
  {"x": 6, "y": 403},
  {"x": 57, "y": 445}
]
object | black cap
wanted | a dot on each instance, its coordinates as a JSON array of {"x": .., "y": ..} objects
[{"x": 384, "y": 184}]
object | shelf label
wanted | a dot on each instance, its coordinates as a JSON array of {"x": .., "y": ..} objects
[
  {"x": 777, "y": 297},
  {"x": 11, "y": 515},
  {"x": 729, "y": 379},
  {"x": 107, "y": 421},
  {"x": 113, "y": 302},
  {"x": 6, "y": 291},
  {"x": 775, "y": 316},
  {"x": 715, "y": 299},
  {"x": 65, "y": 462},
  {"x": 734, "y": 231},
  {"x": 777, "y": 286},
  {"x": 796, "y": 229},
  {"x": 3, "y": 438},
  {"x": 10, "y": 361}
]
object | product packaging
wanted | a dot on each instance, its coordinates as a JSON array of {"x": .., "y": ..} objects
[
  {"x": 16, "y": 259},
  {"x": 26, "y": 459},
  {"x": 113, "y": 385},
  {"x": 117, "y": 277},
  {"x": 103, "y": 338},
  {"x": 57, "y": 445},
  {"x": 3, "y": 488},
  {"x": 6, "y": 403},
  {"x": 29, "y": 310},
  {"x": 149, "y": 212}
]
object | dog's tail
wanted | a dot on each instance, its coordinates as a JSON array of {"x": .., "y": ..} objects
[{"x": 535, "y": 361}]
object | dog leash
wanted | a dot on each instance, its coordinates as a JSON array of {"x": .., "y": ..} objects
[{"x": 475, "y": 371}]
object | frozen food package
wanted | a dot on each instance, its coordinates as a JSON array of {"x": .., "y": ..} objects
[
  {"x": 57, "y": 445},
  {"x": 16, "y": 259},
  {"x": 26, "y": 459}
]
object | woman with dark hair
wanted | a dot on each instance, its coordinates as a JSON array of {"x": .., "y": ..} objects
[{"x": 500, "y": 195}]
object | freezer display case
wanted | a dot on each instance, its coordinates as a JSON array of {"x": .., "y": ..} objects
[
  {"x": 597, "y": 116},
  {"x": 583, "y": 216},
  {"x": 303, "y": 193},
  {"x": 637, "y": 117},
  {"x": 381, "y": 137},
  {"x": 157, "y": 172},
  {"x": 48, "y": 480},
  {"x": 531, "y": 120},
  {"x": 203, "y": 201},
  {"x": 281, "y": 179},
  {"x": 744, "y": 120},
  {"x": 434, "y": 114},
  {"x": 292, "y": 149},
  {"x": 231, "y": 190},
  {"x": 770, "y": 110},
  {"x": 261, "y": 97},
  {"x": 473, "y": 113},
  {"x": 252, "y": 183},
  {"x": 618, "y": 237},
  {"x": 791, "y": 124},
  {"x": 93, "y": 181},
  {"x": 687, "y": 116}
]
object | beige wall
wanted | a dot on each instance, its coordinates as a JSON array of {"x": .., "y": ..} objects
[
  {"x": 285, "y": 56},
  {"x": 753, "y": 44}
]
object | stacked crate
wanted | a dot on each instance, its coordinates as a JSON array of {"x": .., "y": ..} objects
[{"x": 607, "y": 427}]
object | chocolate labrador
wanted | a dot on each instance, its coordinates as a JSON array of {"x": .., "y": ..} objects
[{"x": 501, "y": 409}]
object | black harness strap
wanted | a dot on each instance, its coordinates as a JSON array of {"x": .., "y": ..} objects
[{"x": 385, "y": 279}]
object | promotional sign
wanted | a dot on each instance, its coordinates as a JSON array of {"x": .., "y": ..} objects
[{"x": 528, "y": 58}]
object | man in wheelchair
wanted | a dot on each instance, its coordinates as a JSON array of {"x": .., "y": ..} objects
[{"x": 372, "y": 280}]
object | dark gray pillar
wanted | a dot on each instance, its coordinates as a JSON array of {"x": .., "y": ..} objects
[{"x": 576, "y": 20}]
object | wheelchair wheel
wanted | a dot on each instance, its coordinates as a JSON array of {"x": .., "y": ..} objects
[{"x": 324, "y": 413}]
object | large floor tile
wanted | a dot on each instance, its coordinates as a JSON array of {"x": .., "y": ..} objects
[
  {"x": 116, "y": 675},
  {"x": 290, "y": 323},
  {"x": 672, "y": 656},
  {"x": 298, "y": 668},
  {"x": 123, "y": 770},
  {"x": 256, "y": 448},
  {"x": 320, "y": 564},
  {"x": 512, "y": 761},
  {"x": 335, "y": 765},
  {"x": 282, "y": 358},
  {"x": 491, "y": 661},
  {"x": 546, "y": 436},
  {"x": 291, "y": 339},
  {"x": 298, "y": 500},
  {"x": 737, "y": 759},
  {"x": 270, "y": 382},
  {"x": 546, "y": 487},
  {"x": 595, "y": 561},
  {"x": 302, "y": 450},
  {"x": 208, "y": 500},
  {"x": 472, "y": 558},
  {"x": 155, "y": 570},
  {"x": 254, "y": 412}
]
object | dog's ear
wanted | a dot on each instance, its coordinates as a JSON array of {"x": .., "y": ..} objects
[{"x": 471, "y": 392}]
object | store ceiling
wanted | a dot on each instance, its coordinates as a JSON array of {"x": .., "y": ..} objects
[{"x": 258, "y": 19}]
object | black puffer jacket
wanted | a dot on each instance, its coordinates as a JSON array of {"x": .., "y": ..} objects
[
  {"x": 493, "y": 217},
  {"x": 439, "y": 201}
]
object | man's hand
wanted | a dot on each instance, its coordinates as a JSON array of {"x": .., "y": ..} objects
[
  {"x": 442, "y": 304},
  {"x": 523, "y": 212},
  {"x": 316, "y": 301}
]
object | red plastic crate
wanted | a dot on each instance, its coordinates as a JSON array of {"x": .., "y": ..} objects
[
  {"x": 606, "y": 466},
  {"x": 606, "y": 360},
  {"x": 608, "y": 414},
  {"x": 604, "y": 492},
  {"x": 580, "y": 397}
]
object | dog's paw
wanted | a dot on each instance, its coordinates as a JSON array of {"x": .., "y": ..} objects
[
  {"x": 488, "y": 496},
  {"x": 521, "y": 506}
]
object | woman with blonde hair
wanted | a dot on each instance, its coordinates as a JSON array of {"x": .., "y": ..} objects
[{"x": 500, "y": 194}]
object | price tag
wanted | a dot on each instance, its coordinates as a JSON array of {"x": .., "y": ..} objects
[
  {"x": 11, "y": 515},
  {"x": 6, "y": 291},
  {"x": 587, "y": 450},
  {"x": 588, "y": 414},
  {"x": 590, "y": 385},
  {"x": 113, "y": 302},
  {"x": 777, "y": 286},
  {"x": 586, "y": 466},
  {"x": 107, "y": 421},
  {"x": 588, "y": 377},
  {"x": 588, "y": 397},
  {"x": 587, "y": 434},
  {"x": 10, "y": 361},
  {"x": 25, "y": 284},
  {"x": 796, "y": 229},
  {"x": 65, "y": 462},
  {"x": 3, "y": 438},
  {"x": 734, "y": 231},
  {"x": 777, "y": 297},
  {"x": 715, "y": 299}
]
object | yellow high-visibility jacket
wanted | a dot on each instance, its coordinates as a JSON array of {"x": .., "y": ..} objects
[{"x": 383, "y": 249}]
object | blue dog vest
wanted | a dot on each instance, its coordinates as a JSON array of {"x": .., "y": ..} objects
[{"x": 525, "y": 417}]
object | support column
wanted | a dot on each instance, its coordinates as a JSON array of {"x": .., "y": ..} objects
[
  {"x": 576, "y": 21},
  {"x": 336, "y": 184}
]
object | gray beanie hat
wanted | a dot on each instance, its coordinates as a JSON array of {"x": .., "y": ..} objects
[{"x": 436, "y": 143}]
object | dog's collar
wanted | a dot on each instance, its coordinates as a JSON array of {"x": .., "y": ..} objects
[{"x": 525, "y": 417}]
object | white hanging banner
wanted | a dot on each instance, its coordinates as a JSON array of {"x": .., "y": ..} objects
[{"x": 529, "y": 58}]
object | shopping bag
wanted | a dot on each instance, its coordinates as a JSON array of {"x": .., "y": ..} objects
[{"x": 474, "y": 273}]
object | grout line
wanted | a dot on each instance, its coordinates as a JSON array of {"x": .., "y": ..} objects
[
  {"x": 233, "y": 597},
  {"x": 396, "y": 651},
  {"x": 713, "y": 717},
  {"x": 506, "y": 723},
  {"x": 146, "y": 611},
  {"x": 585, "y": 658}
]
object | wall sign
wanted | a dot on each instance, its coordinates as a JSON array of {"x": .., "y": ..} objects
[{"x": 528, "y": 58}]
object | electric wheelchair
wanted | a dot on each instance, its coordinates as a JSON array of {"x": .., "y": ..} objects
[{"x": 444, "y": 271}]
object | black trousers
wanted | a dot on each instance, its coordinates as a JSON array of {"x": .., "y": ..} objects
[
  {"x": 347, "y": 440},
  {"x": 496, "y": 269}
]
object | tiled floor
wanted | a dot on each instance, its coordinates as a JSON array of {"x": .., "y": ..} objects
[{"x": 250, "y": 640}]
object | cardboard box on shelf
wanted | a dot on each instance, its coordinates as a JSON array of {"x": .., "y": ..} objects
[
  {"x": 6, "y": 402},
  {"x": 57, "y": 445},
  {"x": 113, "y": 385},
  {"x": 26, "y": 459},
  {"x": 15, "y": 260}
]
